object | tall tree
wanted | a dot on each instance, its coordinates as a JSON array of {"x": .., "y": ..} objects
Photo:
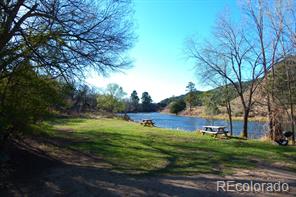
[
  {"x": 283, "y": 83},
  {"x": 108, "y": 103},
  {"x": 135, "y": 100},
  {"x": 115, "y": 90},
  {"x": 146, "y": 101},
  {"x": 225, "y": 95},
  {"x": 272, "y": 25},
  {"x": 190, "y": 88},
  {"x": 112, "y": 100},
  {"x": 230, "y": 48}
]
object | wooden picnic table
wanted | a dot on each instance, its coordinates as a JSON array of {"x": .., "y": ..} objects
[
  {"x": 147, "y": 122},
  {"x": 215, "y": 130}
]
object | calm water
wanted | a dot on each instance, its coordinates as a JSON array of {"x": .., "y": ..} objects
[{"x": 256, "y": 129}]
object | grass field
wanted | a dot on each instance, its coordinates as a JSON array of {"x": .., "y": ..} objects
[{"x": 133, "y": 149}]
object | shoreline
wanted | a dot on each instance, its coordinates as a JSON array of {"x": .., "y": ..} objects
[{"x": 221, "y": 117}]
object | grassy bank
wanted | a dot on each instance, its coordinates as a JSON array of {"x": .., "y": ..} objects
[{"x": 134, "y": 149}]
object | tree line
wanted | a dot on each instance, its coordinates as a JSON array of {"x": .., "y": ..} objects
[
  {"x": 113, "y": 99},
  {"x": 133, "y": 103}
]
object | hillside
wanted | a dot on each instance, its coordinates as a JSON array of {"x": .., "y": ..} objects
[
  {"x": 259, "y": 108},
  {"x": 201, "y": 96},
  {"x": 165, "y": 102}
]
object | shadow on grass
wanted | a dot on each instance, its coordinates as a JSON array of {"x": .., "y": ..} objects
[
  {"x": 151, "y": 153},
  {"x": 147, "y": 155},
  {"x": 37, "y": 174},
  {"x": 66, "y": 120}
]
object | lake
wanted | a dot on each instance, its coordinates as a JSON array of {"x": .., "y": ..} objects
[{"x": 256, "y": 129}]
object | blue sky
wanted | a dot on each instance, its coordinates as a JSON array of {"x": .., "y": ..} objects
[{"x": 160, "y": 65}]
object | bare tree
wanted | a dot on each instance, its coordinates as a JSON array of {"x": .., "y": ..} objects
[
  {"x": 270, "y": 27},
  {"x": 227, "y": 96},
  {"x": 63, "y": 38},
  {"x": 230, "y": 56},
  {"x": 287, "y": 11},
  {"x": 212, "y": 78},
  {"x": 290, "y": 21}
]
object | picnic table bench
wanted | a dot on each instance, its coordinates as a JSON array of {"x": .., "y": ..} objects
[
  {"x": 215, "y": 130},
  {"x": 147, "y": 122}
]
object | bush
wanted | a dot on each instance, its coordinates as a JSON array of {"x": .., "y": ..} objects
[
  {"x": 26, "y": 97},
  {"x": 110, "y": 103},
  {"x": 177, "y": 106}
]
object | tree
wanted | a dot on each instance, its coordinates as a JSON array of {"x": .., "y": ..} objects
[
  {"x": 57, "y": 41},
  {"x": 230, "y": 56},
  {"x": 226, "y": 95},
  {"x": 190, "y": 88},
  {"x": 26, "y": 98},
  {"x": 63, "y": 38},
  {"x": 146, "y": 102},
  {"x": 112, "y": 100},
  {"x": 115, "y": 91},
  {"x": 210, "y": 102},
  {"x": 177, "y": 106},
  {"x": 269, "y": 25},
  {"x": 283, "y": 84},
  {"x": 84, "y": 99},
  {"x": 135, "y": 100},
  {"x": 266, "y": 37},
  {"x": 110, "y": 103}
]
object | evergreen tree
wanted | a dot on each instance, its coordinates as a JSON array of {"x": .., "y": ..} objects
[
  {"x": 135, "y": 100},
  {"x": 146, "y": 102},
  {"x": 190, "y": 88},
  {"x": 177, "y": 106}
]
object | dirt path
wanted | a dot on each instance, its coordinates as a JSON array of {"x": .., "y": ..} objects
[{"x": 48, "y": 169}]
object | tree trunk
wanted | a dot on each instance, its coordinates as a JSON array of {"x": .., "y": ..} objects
[
  {"x": 293, "y": 125},
  {"x": 245, "y": 125},
  {"x": 293, "y": 130},
  {"x": 229, "y": 117},
  {"x": 270, "y": 118}
]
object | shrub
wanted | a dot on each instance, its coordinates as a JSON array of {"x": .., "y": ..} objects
[
  {"x": 110, "y": 103},
  {"x": 177, "y": 106},
  {"x": 26, "y": 97}
]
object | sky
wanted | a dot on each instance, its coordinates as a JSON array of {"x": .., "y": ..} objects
[{"x": 160, "y": 65}]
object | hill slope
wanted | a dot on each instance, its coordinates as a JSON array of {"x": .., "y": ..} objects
[{"x": 202, "y": 96}]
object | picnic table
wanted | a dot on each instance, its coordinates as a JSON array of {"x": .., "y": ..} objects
[
  {"x": 147, "y": 122},
  {"x": 215, "y": 130}
]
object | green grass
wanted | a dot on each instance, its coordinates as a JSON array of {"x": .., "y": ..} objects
[{"x": 134, "y": 149}]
